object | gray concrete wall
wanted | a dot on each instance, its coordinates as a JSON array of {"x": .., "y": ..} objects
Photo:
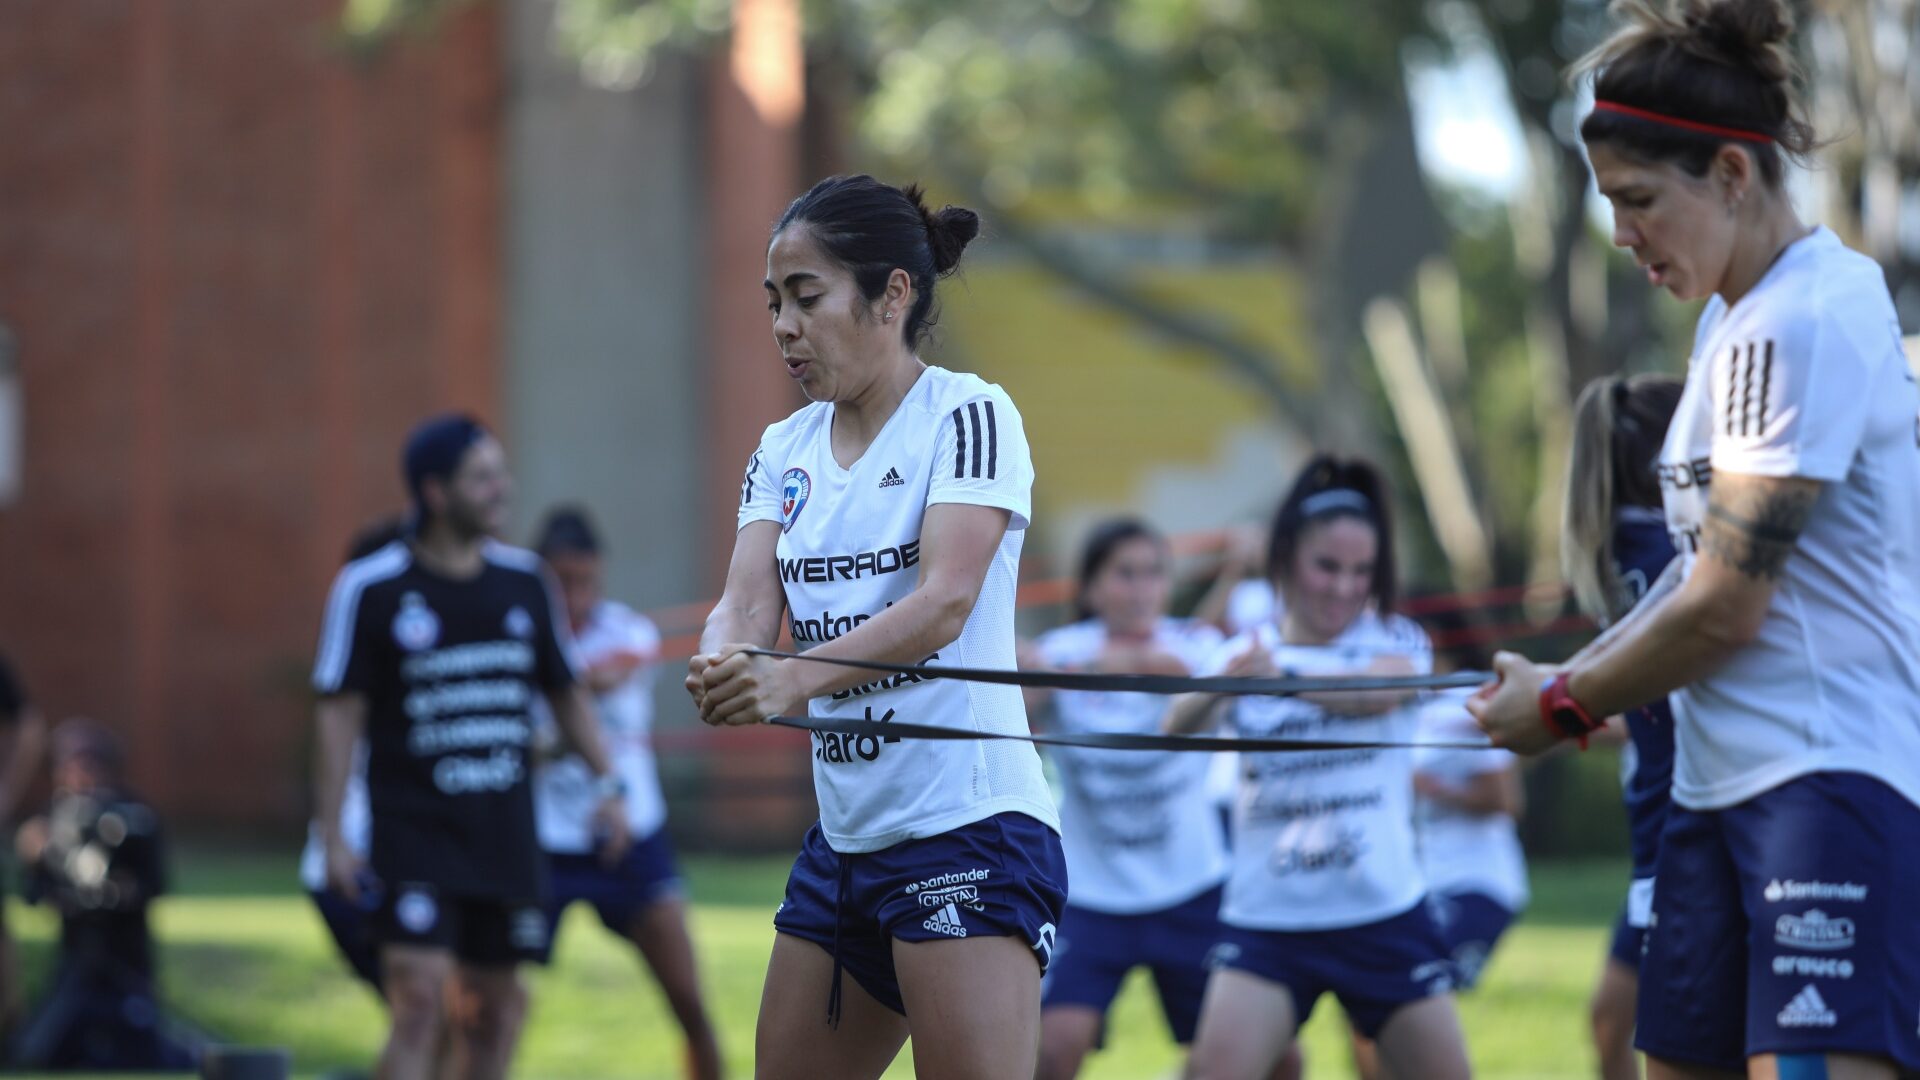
[{"x": 602, "y": 392}]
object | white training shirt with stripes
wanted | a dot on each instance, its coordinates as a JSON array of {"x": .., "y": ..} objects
[
  {"x": 1462, "y": 851},
  {"x": 1805, "y": 377},
  {"x": 1141, "y": 830},
  {"x": 849, "y": 549},
  {"x": 564, "y": 789},
  {"x": 1323, "y": 840}
]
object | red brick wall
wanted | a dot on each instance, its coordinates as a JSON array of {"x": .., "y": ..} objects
[{"x": 237, "y": 267}]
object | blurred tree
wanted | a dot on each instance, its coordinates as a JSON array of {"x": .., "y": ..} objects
[{"x": 1865, "y": 77}]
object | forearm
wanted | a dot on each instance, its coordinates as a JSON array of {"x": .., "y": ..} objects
[
  {"x": 755, "y": 623},
  {"x": 340, "y": 723},
  {"x": 1663, "y": 588},
  {"x": 579, "y": 724},
  {"x": 1679, "y": 642}
]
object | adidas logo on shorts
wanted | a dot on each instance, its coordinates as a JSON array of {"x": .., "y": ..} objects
[
  {"x": 946, "y": 921},
  {"x": 892, "y": 479},
  {"x": 1807, "y": 1009}
]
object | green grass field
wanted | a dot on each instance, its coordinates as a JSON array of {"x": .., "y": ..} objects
[{"x": 244, "y": 955}]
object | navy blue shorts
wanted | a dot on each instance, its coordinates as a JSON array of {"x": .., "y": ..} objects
[
  {"x": 351, "y": 926},
  {"x": 1471, "y": 924},
  {"x": 1095, "y": 950},
  {"x": 646, "y": 876},
  {"x": 1373, "y": 969},
  {"x": 1789, "y": 924},
  {"x": 1004, "y": 876}
]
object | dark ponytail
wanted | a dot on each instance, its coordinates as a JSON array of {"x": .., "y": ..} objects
[
  {"x": 1330, "y": 488},
  {"x": 873, "y": 229}
]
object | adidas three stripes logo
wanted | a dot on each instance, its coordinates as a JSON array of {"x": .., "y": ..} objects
[
  {"x": 966, "y": 431},
  {"x": 1749, "y": 385}
]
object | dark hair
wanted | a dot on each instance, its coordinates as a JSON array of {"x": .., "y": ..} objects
[
  {"x": 376, "y": 535},
  {"x": 1330, "y": 488},
  {"x": 435, "y": 448},
  {"x": 567, "y": 530},
  {"x": 1099, "y": 549},
  {"x": 1720, "y": 62},
  {"x": 873, "y": 229},
  {"x": 1619, "y": 426}
]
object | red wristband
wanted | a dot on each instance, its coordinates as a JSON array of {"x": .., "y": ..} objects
[{"x": 1562, "y": 715}]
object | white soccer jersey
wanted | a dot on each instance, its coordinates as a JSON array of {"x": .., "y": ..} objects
[
  {"x": 1462, "y": 852},
  {"x": 849, "y": 545},
  {"x": 1805, "y": 377},
  {"x": 1141, "y": 831},
  {"x": 563, "y": 790},
  {"x": 356, "y": 823},
  {"x": 1324, "y": 839}
]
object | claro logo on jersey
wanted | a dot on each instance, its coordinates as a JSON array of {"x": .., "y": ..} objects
[
  {"x": 839, "y": 748},
  {"x": 823, "y": 568}
]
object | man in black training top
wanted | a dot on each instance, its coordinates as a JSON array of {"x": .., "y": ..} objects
[{"x": 434, "y": 648}]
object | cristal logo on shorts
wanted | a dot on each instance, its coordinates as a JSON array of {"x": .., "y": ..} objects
[{"x": 1814, "y": 930}]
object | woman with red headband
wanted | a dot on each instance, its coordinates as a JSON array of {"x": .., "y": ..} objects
[{"x": 1785, "y": 936}]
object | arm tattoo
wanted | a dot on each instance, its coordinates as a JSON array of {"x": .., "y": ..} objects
[{"x": 1754, "y": 529}]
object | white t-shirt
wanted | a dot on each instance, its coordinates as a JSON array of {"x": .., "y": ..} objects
[
  {"x": 1324, "y": 840},
  {"x": 849, "y": 545},
  {"x": 1140, "y": 830},
  {"x": 563, "y": 790},
  {"x": 356, "y": 825},
  {"x": 1805, "y": 377},
  {"x": 1462, "y": 852}
]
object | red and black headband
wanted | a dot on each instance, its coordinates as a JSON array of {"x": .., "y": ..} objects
[{"x": 1683, "y": 124}]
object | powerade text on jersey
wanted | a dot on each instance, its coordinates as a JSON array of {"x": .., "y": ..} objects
[
  {"x": 849, "y": 548},
  {"x": 1805, "y": 377}
]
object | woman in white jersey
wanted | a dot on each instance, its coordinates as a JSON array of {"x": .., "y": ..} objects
[
  {"x": 1467, "y": 807},
  {"x": 1784, "y": 938},
  {"x": 1325, "y": 893},
  {"x": 640, "y": 897},
  {"x": 1144, "y": 843},
  {"x": 884, "y": 522}
]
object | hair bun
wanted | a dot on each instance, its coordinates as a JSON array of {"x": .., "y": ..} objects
[
  {"x": 1742, "y": 33},
  {"x": 948, "y": 233},
  {"x": 949, "y": 230}
]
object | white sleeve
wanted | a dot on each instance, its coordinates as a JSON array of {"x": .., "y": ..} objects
[
  {"x": 760, "y": 487},
  {"x": 980, "y": 458},
  {"x": 643, "y": 636},
  {"x": 1789, "y": 398}
]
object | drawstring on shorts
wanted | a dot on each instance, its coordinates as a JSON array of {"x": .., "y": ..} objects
[{"x": 839, "y": 914}]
